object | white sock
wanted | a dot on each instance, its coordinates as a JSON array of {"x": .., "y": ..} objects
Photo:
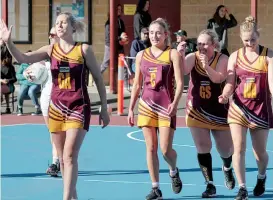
[
  {"x": 260, "y": 176},
  {"x": 243, "y": 185},
  {"x": 173, "y": 172},
  {"x": 155, "y": 184},
  {"x": 210, "y": 182},
  {"x": 55, "y": 160}
]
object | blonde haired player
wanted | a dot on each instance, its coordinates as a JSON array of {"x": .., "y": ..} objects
[
  {"x": 158, "y": 67},
  {"x": 250, "y": 78},
  {"x": 69, "y": 110}
]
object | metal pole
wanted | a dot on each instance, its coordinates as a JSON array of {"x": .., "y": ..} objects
[
  {"x": 4, "y": 11},
  {"x": 254, "y": 8},
  {"x": 113, "y": 46}
]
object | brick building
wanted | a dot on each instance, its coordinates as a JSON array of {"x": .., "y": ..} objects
[{"x": 193, "y": 18}]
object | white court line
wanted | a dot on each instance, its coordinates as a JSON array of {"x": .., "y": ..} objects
[
  {"x": 129, "y": 135},
  {"x": 129, "y": 182}
]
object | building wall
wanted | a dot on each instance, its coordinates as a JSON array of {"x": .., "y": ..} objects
[
  {"x": 196, "y": 13},
  {"x": 194, "y": 17}
]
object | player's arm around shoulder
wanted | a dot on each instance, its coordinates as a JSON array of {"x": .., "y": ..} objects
[{"x": 270, "y": 69}]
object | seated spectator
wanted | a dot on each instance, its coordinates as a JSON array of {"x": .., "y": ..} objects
[
  {"x": 27, "y": 89},
  {"x": 181, "y": 36},
  {"x": 8, "y": 77}
]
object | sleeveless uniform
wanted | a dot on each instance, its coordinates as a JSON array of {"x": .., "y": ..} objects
[
  {"x": 46, "y": 91},
  {"x": 251, "y": 106},
  {"x": 70, "y": 104},
  {"x": 158, "y": 90},
  {"x": 203, "y": 109}
]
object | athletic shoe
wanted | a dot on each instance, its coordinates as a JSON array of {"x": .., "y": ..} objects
[
  {"x": 155, "y": 194},
  {"x": 242, "y": 194},
  {"x": 260, "y": 187},
  {"x": 176, "y": 183},
  {"x": 210, "y": 191}
]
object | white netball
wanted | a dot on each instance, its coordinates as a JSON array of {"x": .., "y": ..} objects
[{"x": 37, "y": 72}]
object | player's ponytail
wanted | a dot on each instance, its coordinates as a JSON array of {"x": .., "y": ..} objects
[
  {"x": 78, "y": 26},
  {"x": 249, "y": 25}
]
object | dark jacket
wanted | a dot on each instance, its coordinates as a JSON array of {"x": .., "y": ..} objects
[
  {"x": 8, "y": 72},
  {"x": 121, "y": 28},
  {"x": 137, "y": 46},
  {"x": 141, "y": 19},
  {"x": 221, "y": 29}
]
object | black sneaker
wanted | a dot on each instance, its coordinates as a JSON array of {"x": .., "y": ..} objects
[
  {"x": 176, "y": 183},
  {"x": 37, "y": 112},
  {"x": 229, "y": 179},
  {"x": 20, "y": 111},
  {"x": 155, "y": 194},
  {"x": 53, "y": 170},
  {"x": 210, "y": 191},
  {"x": 8, "y": 111},
  {"x": 242, "y": 194},
  {"x": 260, "y": 187}
]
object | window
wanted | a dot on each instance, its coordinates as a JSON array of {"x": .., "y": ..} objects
[
  {"x": 19, "y": 16},
  {"x": 81, "y": 9}
]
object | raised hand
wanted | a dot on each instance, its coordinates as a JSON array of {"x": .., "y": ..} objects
[
  {"x": 5, "y": 33},
  {"x": 181, "y": 48},
  {"x": 204, "y": 60}
]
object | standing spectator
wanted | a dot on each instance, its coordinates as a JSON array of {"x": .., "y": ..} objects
[
  {"x": 121, "y": 29},
  {"x": 181, "y": 35},
  {"x": 27, "y": 88},
  {"x": 142, "y": 17},
  {"x": 8, "y": 77},
  {"x": 139, "y": 45},
  {"x": 221, "y": 21}
]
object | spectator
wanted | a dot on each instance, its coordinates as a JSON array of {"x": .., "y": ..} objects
[
  {"x": 221, "y": 21},
  {"x": 27, "y": 89},
  {"x": 8, "y": 77},
  {"x": 139, "y": 45},
  {"x": 142, "y": 17},
  {"x": 121, "y": 29},
  {"x": 181, "y": 35}
]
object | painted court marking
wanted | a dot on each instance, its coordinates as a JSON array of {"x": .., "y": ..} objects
[
  {"x": 127, "y": 182},
  {"x": 129, "y": 135}
]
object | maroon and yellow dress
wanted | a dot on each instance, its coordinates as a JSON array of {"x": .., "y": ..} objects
[
  {"x": 70, "y": 104},
  {"x": 158, "y": 90},
  {"x": 202, "y": 108},
  {"x": 251, "y": 106}
]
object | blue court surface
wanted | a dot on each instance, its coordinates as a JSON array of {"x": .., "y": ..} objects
[{"x": 112, "y": 165}]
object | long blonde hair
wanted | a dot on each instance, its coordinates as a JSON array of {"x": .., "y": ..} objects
[{"x": 163, "y": 23}]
